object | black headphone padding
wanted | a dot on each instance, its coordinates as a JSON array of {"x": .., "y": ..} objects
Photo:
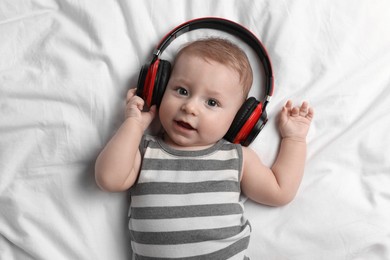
[
  {"x": 162, "y": 78},
  {"x": 141, "y": 80},
  {"x": 241, "y": 117}
]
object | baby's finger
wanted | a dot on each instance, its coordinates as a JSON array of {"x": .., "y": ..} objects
[
  {"x": 149, "y": 116},
  {"x": 135, "y": 101},
  {"x": 310, "y": 113},
  {"x": 288, "y": 105},
  {"x": 295, "y": 111},
  {"x": 130, "y": 94},
  {"x": 304, "y": 108}
]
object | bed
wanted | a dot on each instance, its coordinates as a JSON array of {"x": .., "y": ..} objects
[{"x": 65, "y": 68}]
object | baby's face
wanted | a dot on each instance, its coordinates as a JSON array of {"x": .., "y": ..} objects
[{"x": 200, "y": 102}]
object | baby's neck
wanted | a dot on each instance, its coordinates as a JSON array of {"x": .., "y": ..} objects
[{"x": 179, "y": 147}]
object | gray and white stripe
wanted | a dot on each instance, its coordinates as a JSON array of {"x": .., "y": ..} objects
[{"x": 186, "y": 204}]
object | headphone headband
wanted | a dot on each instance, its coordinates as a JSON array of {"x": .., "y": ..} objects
[
  {"x": 231, "y": 28},
  {"x": 251, "y": 117}
]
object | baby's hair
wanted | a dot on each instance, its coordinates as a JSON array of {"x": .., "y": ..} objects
[{"x": 225, "y": 52}]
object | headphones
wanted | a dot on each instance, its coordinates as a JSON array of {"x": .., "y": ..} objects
[{"x": 251, "y": 117}]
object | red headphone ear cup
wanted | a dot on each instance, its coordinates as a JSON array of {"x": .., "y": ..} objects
[
  {"x": 152, "y": 81},
  {"x": 241, "y": 117},
  {"x": 260, "y": 123},
  {"x": 161, "y": 81},
  {"x": 248, "y": 123}
]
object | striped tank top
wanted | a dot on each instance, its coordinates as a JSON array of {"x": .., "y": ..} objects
[{"x": 186, "y": 204}]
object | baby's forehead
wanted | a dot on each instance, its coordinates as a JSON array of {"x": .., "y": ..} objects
[{"x": 194, "y": 57}]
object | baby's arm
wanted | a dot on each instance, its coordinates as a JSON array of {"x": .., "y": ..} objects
[
  {"x": 278, "y": 185},
  {"x": 118, "y": 164}
]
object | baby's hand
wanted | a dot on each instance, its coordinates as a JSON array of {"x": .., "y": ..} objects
[
  {"x": 134, "y": 107},
  {"x": 295, "y": 121}
]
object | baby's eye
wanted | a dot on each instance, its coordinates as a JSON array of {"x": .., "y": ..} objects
[
  {"x": 182, "y": 91},
  {"x": 212, "y": 103}
]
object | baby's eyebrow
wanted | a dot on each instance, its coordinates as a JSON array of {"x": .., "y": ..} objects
[
  {"x": 180, "y": 79},
  {"x": 215, "y": 93}
]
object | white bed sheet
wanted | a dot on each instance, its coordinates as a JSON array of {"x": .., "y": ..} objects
[{"x": 65, "y": 67}]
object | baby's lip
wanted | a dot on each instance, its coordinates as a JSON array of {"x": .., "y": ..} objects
[{"x": 185, "y": 125}]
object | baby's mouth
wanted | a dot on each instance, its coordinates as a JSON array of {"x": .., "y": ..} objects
[{"x": 185, "y": 125}]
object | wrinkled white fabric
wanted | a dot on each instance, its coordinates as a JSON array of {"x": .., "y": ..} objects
[{"x": 65, "y": 67}]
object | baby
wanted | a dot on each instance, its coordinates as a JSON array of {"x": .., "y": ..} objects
[{"x": 185, "y": 183}]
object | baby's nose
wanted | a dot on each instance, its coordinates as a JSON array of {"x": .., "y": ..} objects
[{"x": 191, "y": 107}]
